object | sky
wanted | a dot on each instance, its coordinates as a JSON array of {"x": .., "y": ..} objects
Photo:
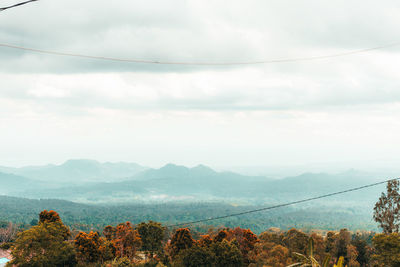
[{"x": 342, "y": 109}]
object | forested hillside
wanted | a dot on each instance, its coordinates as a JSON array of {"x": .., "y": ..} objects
[
  {"x": 19, "y": 210},
  {"x": 140, "y": 240}
]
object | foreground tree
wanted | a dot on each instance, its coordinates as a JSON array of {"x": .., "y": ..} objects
[
  {"x": 343, "y": 240},
  {"x": 8, "y": 233},
  {"x": 205, "y": 241},
  {"x": 127, "y": 241},
  {"x": 88, "y": 247},
  {"x": 47, "y": 217},
  {"x": 246, "y": 241},
  {"x": 227, "y": 254},
  {"x": 44, "y": 245},
  {"x": 296, "y": 241},
  {"x": 198, "y": 256},
  {"x": 181, "y": 240},
  {"x": 330, "y": 241},
  {"x": 271, "y": 254},
  {"x": 152, "y": 235},
  {"x": 387, "y": 249},
  {"x": 109, "y": 232},
  {"x": 387, "y": 209},
  {"x": 362, "y": 247}
]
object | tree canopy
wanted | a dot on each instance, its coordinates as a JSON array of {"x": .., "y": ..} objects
[{"x": 387, "y": 209}]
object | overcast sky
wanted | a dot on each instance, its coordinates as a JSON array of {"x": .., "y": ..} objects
[{"x": 53, "y": 108}]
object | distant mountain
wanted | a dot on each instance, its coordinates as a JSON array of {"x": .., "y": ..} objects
[
  {"x": 79, "y": 171},
  {"x": 171, "y": 182},
  {"x": 315, "y": 184},
  {"x": 201, "y": 183},
  {"x": 10, "y": 183},
  {"x": 201, "y": 180}
]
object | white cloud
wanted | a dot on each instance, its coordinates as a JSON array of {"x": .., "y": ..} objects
[{"x": 53, "y": 108}]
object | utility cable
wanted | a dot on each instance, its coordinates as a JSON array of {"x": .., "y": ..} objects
[
  {"x": 16, "y": 5},
  {"x": 160, "y": 62},
  {"x": 280, "y": 205}
]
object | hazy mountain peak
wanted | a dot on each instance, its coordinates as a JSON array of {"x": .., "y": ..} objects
[
  {"x": 170, "y": 167},
  {"x": 80, "y": 170},
  {"x": 203, "y": 168},
  {"x": 80, "y": 162}
]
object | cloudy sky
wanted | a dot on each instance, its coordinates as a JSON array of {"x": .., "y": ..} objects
[{"x": 345, "y": 109}]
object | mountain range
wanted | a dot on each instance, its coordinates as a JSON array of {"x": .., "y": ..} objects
[
  {"x": 93, "y": 182},
  {"x": 78, "y": 171}
]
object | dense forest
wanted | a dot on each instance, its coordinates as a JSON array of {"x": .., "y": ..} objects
[
  {"x": 83, "y": 216},
  {"x": 152, "y": 244},
  {"x": 49, "y": 241}
]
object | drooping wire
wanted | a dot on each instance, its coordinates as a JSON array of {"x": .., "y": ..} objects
[
  {"x": 279, "y": 206},
  {"x": 161, "y": 62},
  {"x": 16, "y": 5}
]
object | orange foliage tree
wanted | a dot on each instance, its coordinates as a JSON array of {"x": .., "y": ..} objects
[
  {"x": 49, "y": 216},
  {"x": 88, "y": 247},
  {"x": 205, "y": 241},
  {"x": 181, "y": 240},
  {"x": 127, "y": 241},
  {"x": 109, "y": 232},
  {"x": 221, "y": 235},
  {"x": 46, "y": 217},
  {"x": 245, "y": 238}
]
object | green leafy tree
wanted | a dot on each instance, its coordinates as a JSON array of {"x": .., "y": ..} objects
[
  {"x": 387, "y": 249},
  {"x": 387, "y": 209},
  {"x": 296, "y": 241},
  {"x": 152, "y": 235},
  {"x": 227, "y": 254},
  {"x": 53, "y": 217},
  {"x": 181, "y": 240},
  {"x": 362, "y": 247},
  {"x": 44, "y": 245},
  {"x": 197, "y": 256}
]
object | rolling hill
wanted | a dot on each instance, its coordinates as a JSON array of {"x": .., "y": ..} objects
[
  {"x": 201, "y": 183},
  {"x": 10, "y": 183},
  {"x": 78, "y": 171}
]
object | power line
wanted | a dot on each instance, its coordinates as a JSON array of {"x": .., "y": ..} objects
[
  {"x": 160, "y": 62},
  {"x": 19, "y": 4},
  {"x": 280, "y": 205}
]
